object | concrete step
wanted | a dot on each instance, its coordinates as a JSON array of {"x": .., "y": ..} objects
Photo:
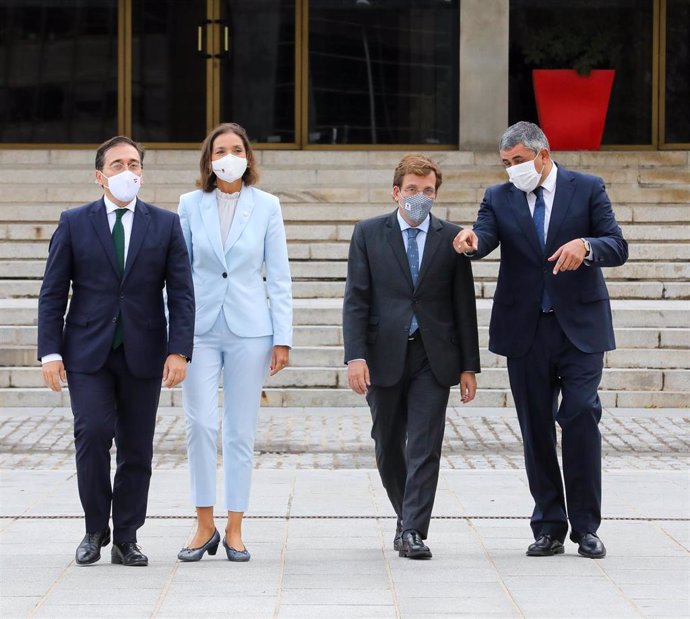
[
  {"x": 613, "y": 379},
  {"x": 298, "y": 397},
  {"x": 26, "y": 258},
  {"x": 321, "y": 288},
  {"x": 333, "y": 217},
  {"x": 331, "y": 335},
  {"x": 651, "y": 314}
]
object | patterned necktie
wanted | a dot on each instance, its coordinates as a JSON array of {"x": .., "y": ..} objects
[
  {"x": 119, "y": 242},
  {"x": 538, "y": 218},
  {"x": 413, "y": 261}
]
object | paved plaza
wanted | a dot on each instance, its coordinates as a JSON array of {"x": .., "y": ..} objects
[{"x": 320, "y": 527}]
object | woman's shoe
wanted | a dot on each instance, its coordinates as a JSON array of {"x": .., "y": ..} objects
[
  {"x": 239, "y": 556},
  {"x": 195, "y": 554}
]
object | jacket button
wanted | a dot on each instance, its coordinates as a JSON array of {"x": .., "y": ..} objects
[
  {"x": 225, "y": 275},
  {"x": 115, "y": 319}
]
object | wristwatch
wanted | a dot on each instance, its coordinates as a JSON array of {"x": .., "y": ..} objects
[
  {"x": 185, "y": 357},
  {"x": 588, "y": 247}
]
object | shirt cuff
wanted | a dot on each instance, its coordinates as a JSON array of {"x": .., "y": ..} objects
[
  {"x": 351, "y": 360},
  {"x": 51, "y": 357}
]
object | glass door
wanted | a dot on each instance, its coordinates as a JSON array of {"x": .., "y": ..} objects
[
  {"x": 256, "y": 55},
  {"x": 171, "y": 83}
]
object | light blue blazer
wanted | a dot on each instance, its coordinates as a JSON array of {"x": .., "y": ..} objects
[{"x": 229, "y": 278}]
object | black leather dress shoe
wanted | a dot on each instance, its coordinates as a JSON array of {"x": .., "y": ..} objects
[
  {"x": 413, "y": 547},
  {"x": 128, "y": 553},
  {"x": 397, "y": 540},
  {"x": 89, "y": 550},
  {"x": 589, "y": 545},
  {"x": 545, "y": 546}
]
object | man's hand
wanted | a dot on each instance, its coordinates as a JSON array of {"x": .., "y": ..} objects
[
  {"x": 174, "y": 370},
  {"x": 468, "y": 386},
  {"x": 279, "y": 358},
  {"x": 466, "y": 241},
  {"x": 569, "y": 256},
  {"x": 54, "y": 375},
  {"x": 358, "y": 376}
]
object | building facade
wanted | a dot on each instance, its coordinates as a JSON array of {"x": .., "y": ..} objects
[{"x": 332, "y": 74}]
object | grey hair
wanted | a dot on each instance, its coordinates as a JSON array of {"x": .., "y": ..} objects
[{"x": 525, "y": 133}]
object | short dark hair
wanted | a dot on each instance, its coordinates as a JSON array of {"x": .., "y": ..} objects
[
  {"x": 108, "y": 144},
  {"x": 421, "y": 165},
  {"x": 207, "y": 177}
]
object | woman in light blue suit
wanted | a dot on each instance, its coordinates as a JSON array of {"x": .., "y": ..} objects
[{"x": 234, "y": 232}]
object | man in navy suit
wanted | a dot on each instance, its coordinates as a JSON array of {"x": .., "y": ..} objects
[
  {"x": 114, "y": 346},
  {"x": 551, "y": 318}
]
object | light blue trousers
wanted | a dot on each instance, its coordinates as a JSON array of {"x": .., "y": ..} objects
[{"x": 244, "y": 362}]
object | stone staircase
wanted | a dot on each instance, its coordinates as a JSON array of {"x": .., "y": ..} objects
[{"x": 323, "y": 193}]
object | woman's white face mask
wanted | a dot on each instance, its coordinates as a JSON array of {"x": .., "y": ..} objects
[
  {"x": 229, "y": 168},
  {"x": 525, "y": 175}
]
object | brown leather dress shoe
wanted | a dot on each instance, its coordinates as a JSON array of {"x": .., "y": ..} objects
[{"x": 545, "y": 546}]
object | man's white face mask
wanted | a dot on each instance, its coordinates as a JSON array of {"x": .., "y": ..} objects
[
  {"x": 124, "y": 186},
  {"x": 525, "y": 175}
]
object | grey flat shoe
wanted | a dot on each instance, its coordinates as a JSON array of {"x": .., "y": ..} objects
[
  {"x": 195, "y": 554},
  {"x": 239, "y": 556}
]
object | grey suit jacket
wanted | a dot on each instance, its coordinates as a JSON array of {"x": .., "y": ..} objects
[{"x": 380, "y": 299}]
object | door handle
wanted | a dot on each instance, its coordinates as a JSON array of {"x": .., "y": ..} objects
[{"x": 201, "y": 39}]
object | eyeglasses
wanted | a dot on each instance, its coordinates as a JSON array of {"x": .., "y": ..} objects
[{"x": 119, "y": 166}]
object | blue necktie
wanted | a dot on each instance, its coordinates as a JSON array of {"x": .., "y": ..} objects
[
  {"x": 413, "y": 261},
  {"x": 538, "y": 218}
]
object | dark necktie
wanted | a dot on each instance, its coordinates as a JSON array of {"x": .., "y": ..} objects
[
  {"x": 119, "y": 243},
  {"x": 538, "y": 218},
  {"x": 413, "y": 261}
]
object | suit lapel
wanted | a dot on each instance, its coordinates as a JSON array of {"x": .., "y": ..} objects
[
  {"x": 140, "y": 225},
  {"x": 561, "y": 203},
  {"x": 432, "y": 243},
  {"x": 243, "y": 212},
  {"x": 209, "y": 216},
  {"x": 394, "y": 236},
  {"x": 99, "y": 220},
  {"x": 520, "y": 210}
]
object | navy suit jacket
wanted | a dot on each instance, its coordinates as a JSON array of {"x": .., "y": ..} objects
[
  {"x": 380, "y": 300},
  {"x": 581, "y": 209},
  {"x": 82, "y": 253}
]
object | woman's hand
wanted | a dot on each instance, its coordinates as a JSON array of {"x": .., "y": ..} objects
[{"x": 279, "y": 358}]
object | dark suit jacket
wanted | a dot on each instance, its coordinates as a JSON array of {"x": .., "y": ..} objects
[
  {"x": 380, "y": 299},
  {"x": 82, "y": 252},
  {"x": 581, "y": 209}
]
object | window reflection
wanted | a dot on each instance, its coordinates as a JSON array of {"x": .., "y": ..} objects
[
  {"x": 677, "y": 116},
  {"x": 622, "y": 37},
  {"x": 58, "y": 71},
  {"x": 383, "y": 71}
]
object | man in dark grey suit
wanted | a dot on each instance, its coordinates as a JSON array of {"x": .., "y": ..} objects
[{"x": 410, "y": 331}]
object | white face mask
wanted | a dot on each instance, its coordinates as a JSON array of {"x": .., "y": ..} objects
[
  {"x": 230, "y": 167},
  {"x": 524, "y": 176},
  {"x": 124, "y": 186}
]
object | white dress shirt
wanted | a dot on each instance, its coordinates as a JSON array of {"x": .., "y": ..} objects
[{"x": 127, "y": 220}]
